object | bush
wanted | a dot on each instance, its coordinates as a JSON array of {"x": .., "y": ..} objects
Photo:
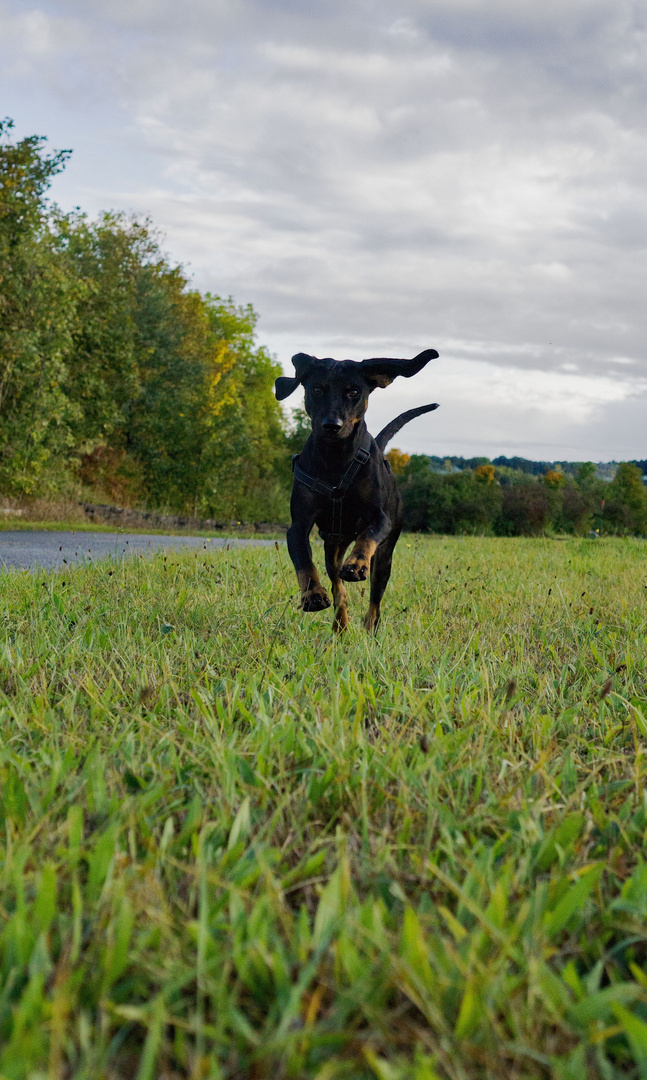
[
  {"x": 525, "y": 510},
  {"x": 509, "y": 503},
  {"x": 115, "y": 375},
  {"x": 421, "y": 490},
  {"x": 458, "y": 503},
  {"x": 576, "y": 511},
  {"x": 624, "y": 509}
]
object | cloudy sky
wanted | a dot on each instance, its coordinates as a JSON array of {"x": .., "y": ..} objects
[{"x": 379, "y": 178}]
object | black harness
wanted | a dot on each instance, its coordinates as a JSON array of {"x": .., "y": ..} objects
[{"x": 335, "y": 493}]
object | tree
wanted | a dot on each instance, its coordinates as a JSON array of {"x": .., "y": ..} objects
[
  {"x": 625, "y": 505},
  {"x": 485, "y": 473},
  {"x": 252, "y": 474},
  {"x": 554, "y": 479},
  {"x": 115, "y": 373},
  {"x": 459, "y": 502},
  {"x": 525, "y": 509},
  {"x": 586, "y": 475},
  {"x": 576, "y": 515},
  {"x": 176, "y": 397},
  {"x": 38, "y": 300},
  {"x": 397, "y": 460}
]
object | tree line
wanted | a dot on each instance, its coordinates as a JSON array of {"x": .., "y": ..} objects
[
  {"x": 116, "y": 377},
  {"x": 504, "y": 501},
  {"x": 122, "y": 383}
]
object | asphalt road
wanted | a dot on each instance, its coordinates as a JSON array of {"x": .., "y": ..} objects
[{"x": 52, "y": 550}]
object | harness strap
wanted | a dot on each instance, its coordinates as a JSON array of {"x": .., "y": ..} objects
[{"x": 334, "y": 492}]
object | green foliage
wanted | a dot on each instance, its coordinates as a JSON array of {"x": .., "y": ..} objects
[
  {"x": 245, "y": 453},
  {"x": 118, "y": 260},
  {"x": 504, "y": 501},
  {"x": 586, "y": 475},
  {"x": 458, "y": 502},
  {"x": 525, "y": 509},
  {"x": 625, "y": 505},
  {"x": 38, "y": 296},
  {"x": 300, "y": 429},
  {"x": 240, "y": 848},
  {"x": 115, "y": 373}
]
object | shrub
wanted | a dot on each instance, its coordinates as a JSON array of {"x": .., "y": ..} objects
[
  {"x": 576, "y": 510},
  {"x": 421, "y": 490},
  {"x": 625, "y": 505},
  {"x": 525, "y": 510},
  {"x": 458, "y": 503}
]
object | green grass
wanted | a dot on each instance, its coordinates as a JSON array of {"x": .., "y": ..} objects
[{"x": 236, "y": 848}]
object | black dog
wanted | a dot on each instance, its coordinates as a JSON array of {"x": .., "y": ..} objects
[{"x": 342, "y": 481}]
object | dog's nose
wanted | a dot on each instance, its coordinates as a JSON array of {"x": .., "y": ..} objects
[{"x": 332, "y": 424}]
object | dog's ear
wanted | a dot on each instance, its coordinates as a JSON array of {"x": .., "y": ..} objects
[
  {"x": 382, "y": 370},
  {"x": 302, "y": 364},
  {"x": 284, "y": 385}
]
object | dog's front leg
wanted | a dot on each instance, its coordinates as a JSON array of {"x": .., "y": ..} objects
[
  {"x": 313, "y": 595},
  {"x": 358, "y": 564}
]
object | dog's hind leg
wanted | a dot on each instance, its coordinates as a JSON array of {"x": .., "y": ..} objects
[
  {"x": 380, "y": 574},
  {"x": 334, "y": 555}
]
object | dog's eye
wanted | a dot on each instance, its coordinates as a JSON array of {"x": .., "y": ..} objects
[
  {"x": 353, "y": 394},
  {"x": 318, "y": 391}
]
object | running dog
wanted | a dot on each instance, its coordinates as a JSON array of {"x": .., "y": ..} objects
[{"x": 342, "y": 481}]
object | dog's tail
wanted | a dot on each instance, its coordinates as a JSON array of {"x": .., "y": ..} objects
[{"x": 392, "y": 429}]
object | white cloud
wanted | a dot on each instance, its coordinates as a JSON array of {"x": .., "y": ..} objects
[{"x": 491, "y": 411}]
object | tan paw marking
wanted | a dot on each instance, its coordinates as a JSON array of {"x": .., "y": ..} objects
[
  {"x": 315, "y": 599},
  {"x": 355, "y": 570},
  {"x": 358, "y": 564},
  {"x": 372, "y": 618}
]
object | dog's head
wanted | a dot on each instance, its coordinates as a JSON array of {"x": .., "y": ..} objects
[{"x": 337, "y": 391}]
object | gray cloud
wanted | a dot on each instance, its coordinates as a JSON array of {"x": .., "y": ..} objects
[{"x": 467, "y": 175}]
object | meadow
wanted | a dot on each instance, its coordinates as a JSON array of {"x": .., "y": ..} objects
[{"x": 235, "y": 847}]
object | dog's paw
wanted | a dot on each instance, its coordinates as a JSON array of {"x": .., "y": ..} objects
[
  {"x": 315, "y": 599},
  {"x": 354, "y": 570}
]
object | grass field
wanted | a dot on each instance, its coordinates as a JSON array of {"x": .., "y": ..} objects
[{"x": 236, "y": 848}]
